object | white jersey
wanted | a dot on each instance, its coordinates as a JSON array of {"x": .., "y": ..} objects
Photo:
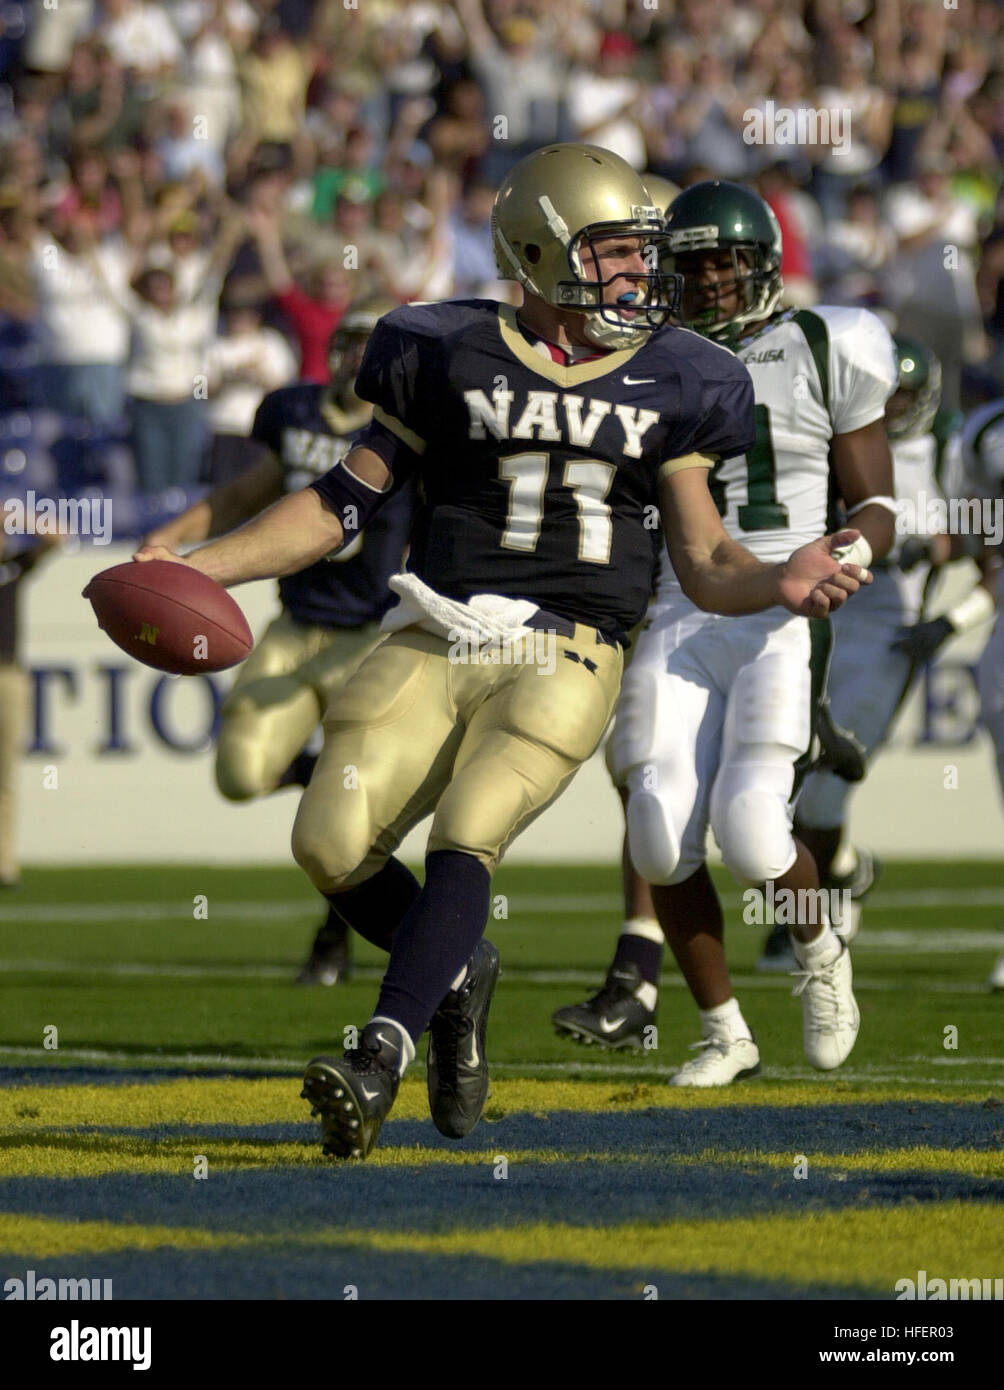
[
  {"x": 816, "y": 373},
  {"x": 914, "y": 463},
  {"x": 914, "y": 471}
]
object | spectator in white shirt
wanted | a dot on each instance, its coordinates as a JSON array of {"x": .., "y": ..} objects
[
  {"x": 604, "y": 102},
  {"x": 166, "y": 379},
  {"x": 183, "y": 148},
  {"x": 244, "y": 363},
  {"x": 84, "y": 334},
  {"x": 166, "y": 376},
  {"x": 141, "y": 37}
]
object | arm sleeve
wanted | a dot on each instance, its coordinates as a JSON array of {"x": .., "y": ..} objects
[
  {"x": 725, "y": 426},
  {"x": 395, "y": 376},
  {"x": 402, "y": 460},
  {"x": 863, "y": 372}
]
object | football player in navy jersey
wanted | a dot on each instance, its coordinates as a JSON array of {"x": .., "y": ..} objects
[
  {"x": 331, "y": 611},
  {"x": 545, "y": 440}
]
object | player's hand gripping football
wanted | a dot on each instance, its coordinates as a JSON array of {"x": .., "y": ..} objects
[
  {"x": 159, "y": 552},
  {"x": 814, "y": 584}
]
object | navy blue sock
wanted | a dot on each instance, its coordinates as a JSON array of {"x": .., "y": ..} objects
[
  {"x": 638, "y": 950},
  {"x": 436, "y": 939},
  {"x": 299, "y": 772},
  {"x": 376, "y": 907}
]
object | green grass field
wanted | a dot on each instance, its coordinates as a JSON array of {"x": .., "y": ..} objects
[{"x": 180, "y": 1039}]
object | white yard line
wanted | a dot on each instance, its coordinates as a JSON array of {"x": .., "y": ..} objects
[
  {"x": 587, "y": 1064},
  {"x": 586, "y": 978},
  {"x": 547, "y": 904}
]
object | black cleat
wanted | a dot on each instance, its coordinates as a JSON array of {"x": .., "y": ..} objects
[
  {"x": 458, "y": 1067},
  {"x": 329, "y": 962},
  {"x": 613, "y": 1017},
  {"x": 353, "y": 1094}
]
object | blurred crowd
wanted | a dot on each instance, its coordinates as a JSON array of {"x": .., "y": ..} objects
[{"x": 192, "y": 192}]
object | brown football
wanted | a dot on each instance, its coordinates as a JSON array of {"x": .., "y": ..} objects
[{"x": 170, "y": 617}]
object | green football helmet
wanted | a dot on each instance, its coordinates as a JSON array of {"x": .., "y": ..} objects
[
  {"x": 550, "y": 212},
  {"x": 721, "y": 216},
  {"x": 912, "y": 407}
]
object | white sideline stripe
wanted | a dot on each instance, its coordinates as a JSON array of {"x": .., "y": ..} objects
[
  {"x": 168, "y": 971},
  {"x": 159, "y": 912},
  {"x": 172, "y": 1059},
  {"x": 143, "y": 968},
  {"x": 552, "y": 903}
]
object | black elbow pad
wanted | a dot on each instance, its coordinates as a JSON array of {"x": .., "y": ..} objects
[{"x": 351, "y": 500}]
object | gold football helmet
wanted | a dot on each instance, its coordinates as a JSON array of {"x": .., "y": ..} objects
[
  {"x": 661, "y": 191},
  {"x": 549, "y": 213}
]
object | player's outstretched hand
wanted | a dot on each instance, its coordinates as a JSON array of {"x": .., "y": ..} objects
[
  {"x": 814, "y": 583},
  {"x": 922, "y": 640},
  {"x": 159, "y": 552}
]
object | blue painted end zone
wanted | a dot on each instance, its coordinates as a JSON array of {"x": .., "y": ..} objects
[
  {"x": 438, "y": 1197},
  {"x": 201, "y": 1275}
]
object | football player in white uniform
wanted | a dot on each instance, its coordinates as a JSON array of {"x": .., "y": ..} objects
[
  {"x": 981, "y": 464},
  {"x": 875, "y": 660},
  {"x": 715, "y": 717}
]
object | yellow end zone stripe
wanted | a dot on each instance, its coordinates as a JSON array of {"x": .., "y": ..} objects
[
  {"x": 871, "y": 1249},
  {"x": 242, "y": 1101},
  {"x": 51, "y": 1154}
]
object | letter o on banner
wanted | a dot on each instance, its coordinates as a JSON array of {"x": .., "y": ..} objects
[{"x": 158, "y": 703}]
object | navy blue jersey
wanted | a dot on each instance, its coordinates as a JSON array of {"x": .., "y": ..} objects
[
  {"x": 539, "y": 479},
  {"x": 309, "y": 434}
]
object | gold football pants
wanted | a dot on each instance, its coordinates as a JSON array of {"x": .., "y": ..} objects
[
  {"x": 485, "y": 745},
  {"x": 13, "y": 716},
  {"x": 279, "y": 698}
]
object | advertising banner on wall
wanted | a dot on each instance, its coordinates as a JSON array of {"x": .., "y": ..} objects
[{"x": 119, "y": 761}]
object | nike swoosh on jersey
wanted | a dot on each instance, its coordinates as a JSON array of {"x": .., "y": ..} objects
[{"x": 638, "y": 380}]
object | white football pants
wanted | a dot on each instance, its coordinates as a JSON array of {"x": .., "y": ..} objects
[{"x": 714, "y": 714}]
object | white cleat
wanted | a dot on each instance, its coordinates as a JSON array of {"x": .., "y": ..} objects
[
  {"x": 720, "y": 1062},
  {"x": 996, "y": 980},
  {"x": 830, "y": 1018}
]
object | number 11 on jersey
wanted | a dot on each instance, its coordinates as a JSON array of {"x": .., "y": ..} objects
[{"x": 590, "y": 480}]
